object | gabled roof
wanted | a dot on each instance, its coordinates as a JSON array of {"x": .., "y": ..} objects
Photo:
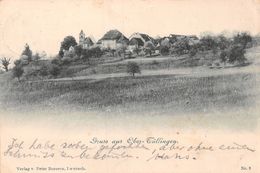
[
  {"x": 136, "y": 41},
  {"x": 88, "y": 40},
  {"x": 146, "y": 37},
  {"x": 113, "y": 35},
  {"x": 123, "y": 39}
]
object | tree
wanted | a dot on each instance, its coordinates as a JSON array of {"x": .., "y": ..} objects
[
  {"x": 17, "y": 62},
  {"x": 181, "y": 47},
  {"x": 96, "y": 52},
  {"x": 78, "y": 50},
  {"x": 223, "y": 56},
  {"x": 136, "y": 50},
  {"x": 66, "y": 44},
  {"x": 164, "y": 50},
  {"x": 18, "y": 72},
  {"x": 132, "y": 68},
  {"x": 165, "y": 46},
  {"x": 27, "y": 52},
  {"x": 237, "y": 54},
  {"x": 149, "y": 47},
  {"x": 36, "y": 57},
  {"x": 208, "y": 42},
  {"x": 223, "y": 42},
  {"x": 242, "y": 38},
  {"x": 5, "y": 63}
]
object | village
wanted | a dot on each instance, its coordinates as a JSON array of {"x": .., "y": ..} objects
[
  {"x": 135, "y": 74},
  {"x": 114, "y": 40}
]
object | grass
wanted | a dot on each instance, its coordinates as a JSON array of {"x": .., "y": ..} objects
[{"x": 145, "y": 94}]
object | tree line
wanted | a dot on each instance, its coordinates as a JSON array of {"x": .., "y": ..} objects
[{"x": 226, "y": 49}]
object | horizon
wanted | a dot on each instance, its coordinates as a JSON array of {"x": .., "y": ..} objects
[{"x": 44, "y": 28}]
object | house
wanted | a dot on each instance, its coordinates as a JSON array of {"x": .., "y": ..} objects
[
  {"x": 113, "y": 39},
  {"x": 138, "y": 40},
  {"x": 84, "y": 41}
]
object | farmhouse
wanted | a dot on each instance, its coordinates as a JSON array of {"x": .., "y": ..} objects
[
  {"x": 113, "y": 39},
  {"x": 84, "y": 41},
  {"x": 138, "y": 40}
]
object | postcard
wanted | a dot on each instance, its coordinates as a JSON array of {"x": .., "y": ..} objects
[{"x": 137, "y": 86}]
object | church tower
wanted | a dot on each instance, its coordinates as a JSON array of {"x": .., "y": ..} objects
[{"x": 81, "y": 37}]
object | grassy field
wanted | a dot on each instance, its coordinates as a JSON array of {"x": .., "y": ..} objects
[
  {"x": 164, "y": 94},
  {"x": 231, "y": 95}
]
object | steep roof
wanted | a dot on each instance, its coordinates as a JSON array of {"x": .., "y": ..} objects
[
  {"x": 113, "y": 35},
  {"x": 146, "y": 37},
  {"x": 123, "y": 39},
  {"x": 89, "y": 41},
  {"x": 136, "y": 41}
]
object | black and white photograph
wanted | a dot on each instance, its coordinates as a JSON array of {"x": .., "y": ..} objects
[{"x": 96, "y": 85}]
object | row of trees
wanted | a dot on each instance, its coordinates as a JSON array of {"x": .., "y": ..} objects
[
  {"x": 227, "y": 49},
  {"x": 37, "y": 69},
  {"x": 168, "y": 46}
]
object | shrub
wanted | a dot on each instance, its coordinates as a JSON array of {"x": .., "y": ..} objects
[
  {"x": 36, "y": 57},
  {"x": 18, "y": 72},
  {"x": 223, "y": 56},
  {"x": 193, "y": 52},
  {"x": 132, "y": 68},
  {"x": 237, "y": 54},
  {"x": 242, "y": 38},
  {"x": 44, "y": 71},
  {"x": 17, "y": 62},
  {"x": 208, "y": 42},
  {"x": 96, "y": 52},
  {"x": 66, "y": 60},
  {"x": 164, "y": 50},
  {"x": 56, "y": 61},
  {"x": 55, "y": 70},
  {"x": 149, "y": 47},
  {"x": 180, "y": 47}
]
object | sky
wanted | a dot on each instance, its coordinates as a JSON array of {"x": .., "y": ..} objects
[{"x": 44, "y": 23}]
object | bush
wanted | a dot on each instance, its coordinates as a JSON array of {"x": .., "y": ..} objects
[
  {"x": 55, "y": 70},
  {"x": 66, "y": 60},
  {"x": 56, "y": 61},
  {"x": 193, "y": 52},
  {"x": 18, "y": 72},
  {"x": 17, "y": 62},
  {"x": 208, "y": 42},
  {"x": 237, "y": 54},
  {"x": 223, "y": 56},
  {"x": 132, "y": 68},
  {"x": 180, "y": 47},
  {"x": 96, "y": 52},
  {"x": 44, "y": 71},
  {"x": 164, "y": 50},
  {"x": 242, "y": 38}
]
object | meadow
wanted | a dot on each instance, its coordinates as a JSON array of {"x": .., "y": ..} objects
[{"x": 163, "y": 94}]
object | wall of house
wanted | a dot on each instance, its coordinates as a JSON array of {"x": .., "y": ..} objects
[
  {"x": 109, "y": 44},
  {"x": 85, "y": 45}
]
